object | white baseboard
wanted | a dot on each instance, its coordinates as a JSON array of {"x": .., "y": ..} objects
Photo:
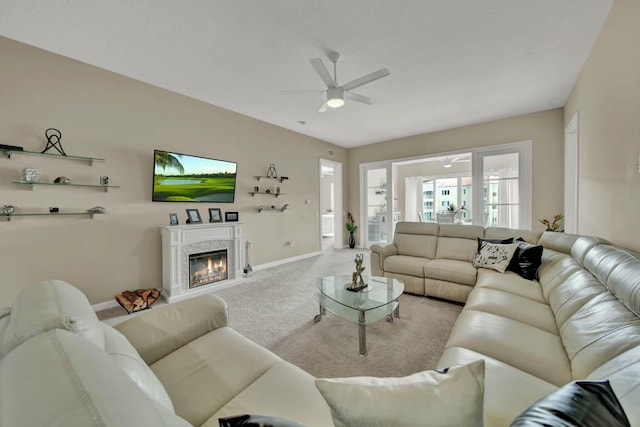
[
  {"x": 286, "y": 261},
  {"x": 105, "y": 305},
  {"x": 113, "y": 303}
]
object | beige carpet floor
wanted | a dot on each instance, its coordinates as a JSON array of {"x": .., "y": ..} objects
[{"x": 275, "y": 308}]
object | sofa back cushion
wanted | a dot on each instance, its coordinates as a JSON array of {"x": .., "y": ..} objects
[
  {"x": 597, "y": 332},
  {"x": 417, "y": 239},
  {"x": 530, "y": 236},
  {"x": 582, "y": 246},
  {"x": 60, "y": 379},
  {"x": 48, "y": 305},
  {"x": 127, "y": 358},
  {"x": 559, "y": 242},
  {"x": 605, "y": 323},
  {"x": 459, "y": 242}
]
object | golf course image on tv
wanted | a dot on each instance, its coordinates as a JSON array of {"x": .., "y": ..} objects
[{"x": 185, "y": 178}]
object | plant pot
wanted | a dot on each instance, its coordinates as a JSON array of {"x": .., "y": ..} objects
[{"x": 352, "y": 241}]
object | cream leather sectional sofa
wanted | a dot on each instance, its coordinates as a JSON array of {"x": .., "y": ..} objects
[
  {"x": 181, "y": 365},
  {"x": 175, "y": 365},
  {"x": 436, "y": 259},
  {"x": 579, "y": 320}
]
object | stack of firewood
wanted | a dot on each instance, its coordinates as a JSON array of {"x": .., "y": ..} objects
[{"x": 137, "y": 300}]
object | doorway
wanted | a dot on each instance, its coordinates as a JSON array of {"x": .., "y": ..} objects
[
  {"x": 331, "y": 215},
  {"x": 571, "y": 171}
]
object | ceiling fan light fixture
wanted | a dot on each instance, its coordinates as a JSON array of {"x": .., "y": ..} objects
[{"x": 335, "y": 97}]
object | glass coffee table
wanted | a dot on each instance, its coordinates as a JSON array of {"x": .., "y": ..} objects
[{"x": 379, "y": 300}]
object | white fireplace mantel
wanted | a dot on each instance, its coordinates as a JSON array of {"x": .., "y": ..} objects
[{"x": 179, "y": 241}]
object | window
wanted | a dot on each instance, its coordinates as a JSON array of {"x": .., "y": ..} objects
[
  {"x": 445, "y": 192},
  {"x": 505, "y": 174}
]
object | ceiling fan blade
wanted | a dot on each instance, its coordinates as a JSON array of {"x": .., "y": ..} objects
[
  {"x": 323, "y": 108},
  {"x": 360, "y": 98},
  {"x": 297, "y": 92},
  {"x": 383, "y": 72},
  {"x": 322, "y": 71}
]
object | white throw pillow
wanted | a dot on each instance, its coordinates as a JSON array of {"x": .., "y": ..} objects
[
  {"x": 495, "y": 256},
  {"x": 453, "y": 397}
]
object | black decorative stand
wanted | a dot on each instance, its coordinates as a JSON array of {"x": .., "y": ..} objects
[{"x": 54, "y": 140}]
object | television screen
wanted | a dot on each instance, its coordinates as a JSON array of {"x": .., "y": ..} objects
[{"x": 183, "y": 178}]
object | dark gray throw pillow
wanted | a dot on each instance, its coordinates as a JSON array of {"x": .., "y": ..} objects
[
  {"x": 526, "y": 260},
  {"x": 498, "y": 241},
  {"x": 577, "y": 404},
  {"x": 256, "y": 421}
]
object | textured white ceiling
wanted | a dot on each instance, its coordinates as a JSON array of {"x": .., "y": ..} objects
[{"x": 452, "y": 63}]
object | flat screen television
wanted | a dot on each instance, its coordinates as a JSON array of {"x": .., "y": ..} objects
[{"x": 184, "y": 178}]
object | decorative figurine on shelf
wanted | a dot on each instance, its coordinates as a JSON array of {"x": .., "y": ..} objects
[
  {"x": 62, "y": 180},
  {"x": 54, "y": 140},
  {"x": 7, "y": 209},
  {"x": 357, "y": 282},
  {"x": 271, "y": 172}
]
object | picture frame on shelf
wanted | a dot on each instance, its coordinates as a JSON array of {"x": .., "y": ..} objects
[
  {"x": 231, "y": 217},
  {"x": 215, "y": 215},
  {"x": 193, "y": 216},
  {"x": 173, "y": 219}
]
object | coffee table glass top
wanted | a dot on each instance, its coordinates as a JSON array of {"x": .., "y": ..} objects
[{"x": 380, "y": 292}]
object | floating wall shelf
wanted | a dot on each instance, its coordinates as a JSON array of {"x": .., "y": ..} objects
[
  {"x": 281, "y": 179},
  {"x": 9, "y": 153},
  {"x": 281, "y": 208},
  {"x": 90, "y": 214},
  {"x": 33, "y": 184},
  {"x": 253, "y": 193}
]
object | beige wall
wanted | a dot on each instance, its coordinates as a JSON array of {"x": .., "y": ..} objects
[
  {"x": 544, "y": 128},
  {"x": 607, "y": 99},
  {"x": 102, "y": 114}
]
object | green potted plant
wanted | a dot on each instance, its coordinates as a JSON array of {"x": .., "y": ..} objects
[{"x": 351, "y": 228}]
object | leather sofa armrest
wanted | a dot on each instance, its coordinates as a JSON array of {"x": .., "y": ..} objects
[
  {"x": 378, "y": 254},
  {"x": 162, "y": 330}
]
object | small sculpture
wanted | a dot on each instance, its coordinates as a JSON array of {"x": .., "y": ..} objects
[
  {"x": 54, "y": 140},
  {"x": 357, "y": 281},
  {"x": 97, "y": 210},
  {"x": 271, "y": 172},
  {"x": 7, "y": 209},
  {"x": 62, "y": 180}
]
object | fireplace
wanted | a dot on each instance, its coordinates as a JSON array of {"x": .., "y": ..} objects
[
  {"x": 206, "y": 268},
  {"x": 199, "y": 257}
]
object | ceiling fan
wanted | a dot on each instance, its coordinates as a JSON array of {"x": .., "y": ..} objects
[
  {"x": 448, "y": 162},
  {"x": 335, "y": 94}
]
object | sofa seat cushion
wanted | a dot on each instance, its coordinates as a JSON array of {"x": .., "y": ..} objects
[
  {"x": 60, "y": 379},
  {"x": 451, "y": 270},
  {"x": 522, "y": 346},
  {"x": 205, "y": 374},
  {"x": 513, "y": 307},
  {"x": 285, "y": 391},
  {"x": 404, "y": 264},
  {"x": 507, "y": 390},
  {"x": 48, "y": 305},
  {"x": 510, "y": 282}
]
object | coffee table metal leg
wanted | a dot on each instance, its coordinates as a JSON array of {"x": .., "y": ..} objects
[
  {"x": 362, "y": 334},
  {"x": 396, "y": 312},
  {"x": 318, "y": 317}
]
